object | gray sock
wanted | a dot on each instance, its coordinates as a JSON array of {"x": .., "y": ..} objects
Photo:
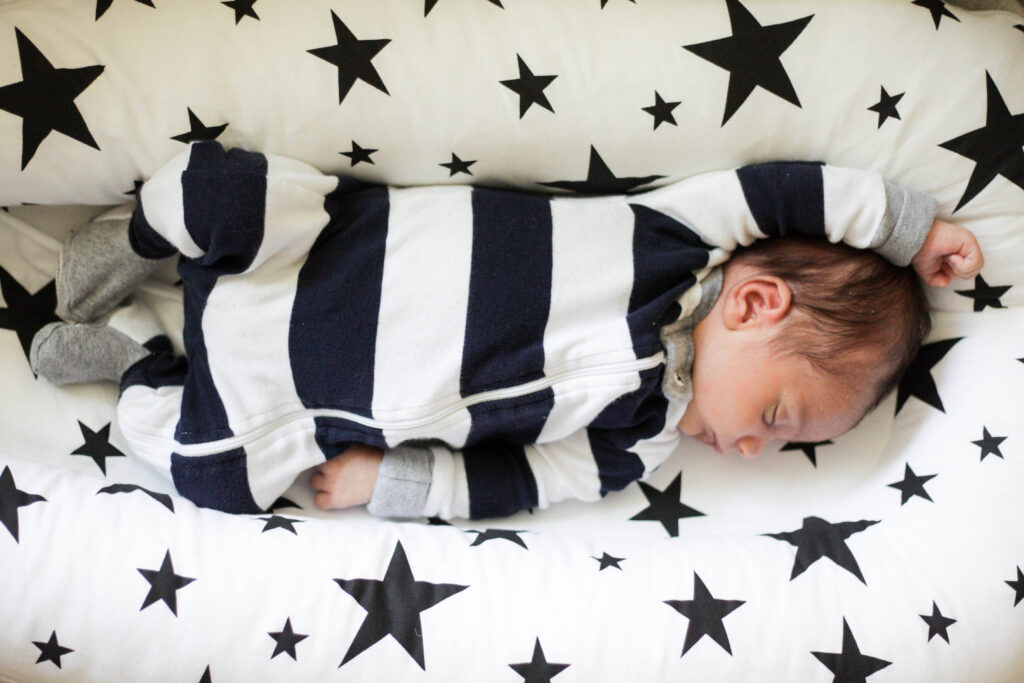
[
  {"x": 69, "y": 353},
  {"x": 98, "y": 268}
]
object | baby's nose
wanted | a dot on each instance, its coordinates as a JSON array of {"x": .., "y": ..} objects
[{"x": 749, "y": 446}]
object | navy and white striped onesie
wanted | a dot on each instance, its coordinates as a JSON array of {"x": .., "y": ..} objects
[{"x": 504, "y": 347}]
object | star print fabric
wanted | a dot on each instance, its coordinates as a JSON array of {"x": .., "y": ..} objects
[
  {"x": 449, "y": 119},
  {"x": 892, "y": 553}
]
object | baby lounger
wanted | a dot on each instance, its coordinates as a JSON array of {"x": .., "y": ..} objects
[{"x": 894, "y": 553}]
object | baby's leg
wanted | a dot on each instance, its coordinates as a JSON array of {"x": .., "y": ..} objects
[{"x": 98, "y": 268}]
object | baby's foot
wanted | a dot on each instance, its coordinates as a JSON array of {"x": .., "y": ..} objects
[
  {"x": 98, "y": 268},
  {"x": 69, "y": 353}
]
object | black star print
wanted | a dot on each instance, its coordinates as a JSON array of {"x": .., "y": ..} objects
[
  {"x": 278, "y": 522},
  {"x": 359, "y": 154},
  {"x": 850, "y": 666},
  {"x": 538, "y": 670},
  {"x": 97, "y": 446},
  {"x": 164, "y": 585},
  {"x": 26, "y": 313},
  {"x": 810, "y": 448},
  {"x": 393, "y": 607},
  {"x": 429, "y": 5},
  {"x": 886, "y": 107},
  {"x": 206, "y": 678},
  {"x": 45, "y": 99},
  {"x": 705, "y": 613},
  {"x": 995, "y": 148},
  {"x": 1019, "y": 27},
  {"x": 607, "y": 560},
  {"x": 937, "y": 624},
  {"x": 243, "y": 8},
  {"x": 11, "y": 498},
  {"x": 457, "y": 165},
  {"x": 530, "y": 88},
  {"x": 818, "y": 538},
  {"x": 984, "y": 294},
  {"x": 938, "y": 10},
  {"x": 1017, "y": 586},
  {"x": 665, "y": 506},
  {"x": 601, "y": 180},
  {"x": 494, "y": 534},
  {"x": 161, "y": 498},
  {"x": 912, "y": 485},
  {"x": 353, "y": 57},
  {"x": 103, "y": 5},
  {"x": 605, "y": 2},
  {"x": 51, "y": 650},
  {"x": 198, "y": 131},
  {"x": 918, "y": 379},
  {"x": 989, "y": 443},
  {"x": 662, "y": 111},
  {"x": 286, "y": 639},
  {"x": 751, "y": 56}
]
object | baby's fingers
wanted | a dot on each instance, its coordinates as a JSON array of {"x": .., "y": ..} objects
[
  {"x": 325, "y": 501},
  {"x": 940, "y": 278},
  {"x": 967, "y": 265}
]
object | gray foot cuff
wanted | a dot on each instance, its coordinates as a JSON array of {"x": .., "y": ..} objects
[
  {"x": 403, "y": 482},
  {"x": 98, "y": 268},
  {"x": 68, "y": 353}
]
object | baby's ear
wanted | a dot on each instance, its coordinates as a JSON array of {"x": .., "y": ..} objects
[{"x": 757, "y": 300}]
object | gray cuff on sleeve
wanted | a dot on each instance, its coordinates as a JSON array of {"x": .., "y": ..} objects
[
  {"x": 908, "y": 220},
  {"x": 403, "y": 482}
]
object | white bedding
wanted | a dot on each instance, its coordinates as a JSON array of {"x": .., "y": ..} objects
[{"x": 893, "y": 554}]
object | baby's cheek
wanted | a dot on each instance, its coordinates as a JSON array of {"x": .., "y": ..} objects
[{"x": 717, "y": 412}]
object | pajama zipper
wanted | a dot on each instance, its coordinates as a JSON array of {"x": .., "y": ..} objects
[{"x": 231, "y": 443}]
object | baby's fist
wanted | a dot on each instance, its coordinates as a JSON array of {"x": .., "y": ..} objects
[
  {"x": 347, "y": 479},
  {"x": 948, "y": 252}
]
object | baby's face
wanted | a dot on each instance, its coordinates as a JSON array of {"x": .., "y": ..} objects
[{"x": 746, "y": 396}]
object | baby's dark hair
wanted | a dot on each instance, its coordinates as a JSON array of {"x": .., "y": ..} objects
[{"x": 845, "y": 300}]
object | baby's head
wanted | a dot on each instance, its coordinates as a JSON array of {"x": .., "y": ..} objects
[{"x": 804, "y": 340}]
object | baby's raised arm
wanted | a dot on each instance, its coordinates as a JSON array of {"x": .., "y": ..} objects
[{"x": 730, "y": 209}]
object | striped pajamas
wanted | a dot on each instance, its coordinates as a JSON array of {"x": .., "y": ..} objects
[{"x": 509, "y": 343}]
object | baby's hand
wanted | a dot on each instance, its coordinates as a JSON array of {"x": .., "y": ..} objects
[
  {"x": 949, "y": 251},
  {"x": 347, "y": 479}
]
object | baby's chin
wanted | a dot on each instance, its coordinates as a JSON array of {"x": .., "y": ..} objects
[{"x": 690, "y": 431}]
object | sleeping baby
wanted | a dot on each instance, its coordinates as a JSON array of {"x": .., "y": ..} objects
[{"x": 470, "y": 352}]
